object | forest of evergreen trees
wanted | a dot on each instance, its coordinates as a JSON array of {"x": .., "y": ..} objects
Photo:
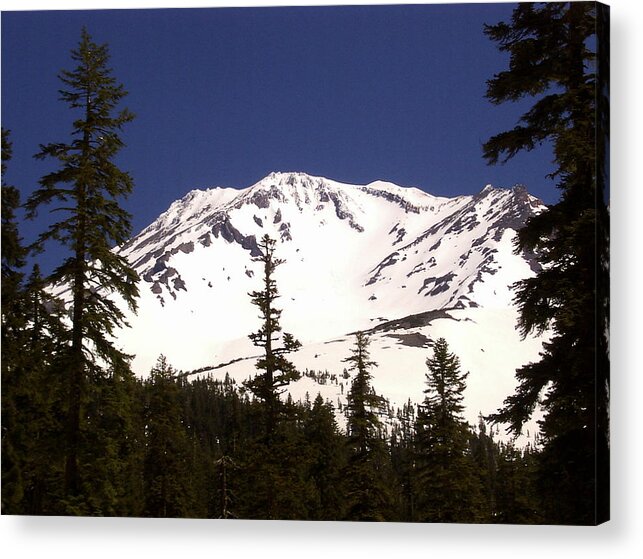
[
  {"x": 81, "y": 435},
  {"x": 171, "y": 446}
]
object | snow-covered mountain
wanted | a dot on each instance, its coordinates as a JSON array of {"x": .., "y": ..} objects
[{"x": 406, "y": 266}]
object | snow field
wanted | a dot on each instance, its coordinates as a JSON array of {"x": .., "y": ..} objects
[{"x": 334, "y": 238}]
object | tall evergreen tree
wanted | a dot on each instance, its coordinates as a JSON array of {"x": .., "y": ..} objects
[
  {"x": 447, "y": 486},
  {"x": 276, "y": 480},
  {"x": 367, "y": 497},
  {"x": 87, "y": 188},
  {"x": 551, "y": 58},
  {"x": 278, "y": 371}
]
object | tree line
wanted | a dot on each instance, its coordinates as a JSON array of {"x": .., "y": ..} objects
[{"x": 81, "y": 435}]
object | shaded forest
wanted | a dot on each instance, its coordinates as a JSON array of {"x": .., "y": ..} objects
[{"x": 170, "y": 446}]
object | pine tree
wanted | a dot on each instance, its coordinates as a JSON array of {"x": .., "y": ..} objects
[
  {"x": 87, "y": 187},
  {"x": 551, "y": 59},
  {"x": 368, "y": 497},
  {"x": 278, "y": 372},
  {"x": 448, "y": 489},
  {"x": 277, "y": 476}
]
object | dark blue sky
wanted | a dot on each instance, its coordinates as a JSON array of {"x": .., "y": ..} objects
[{"x": 225, "y": 96}]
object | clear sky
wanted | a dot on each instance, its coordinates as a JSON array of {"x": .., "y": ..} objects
[{"x": 225, "y": 96}]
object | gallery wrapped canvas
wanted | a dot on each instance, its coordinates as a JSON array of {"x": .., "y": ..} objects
[{"x": 340, "y": 263}]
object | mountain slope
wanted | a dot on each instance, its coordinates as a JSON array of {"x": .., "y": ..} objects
[{"x": 378, "y": 257}]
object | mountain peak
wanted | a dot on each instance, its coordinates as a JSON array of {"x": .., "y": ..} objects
[
  {"x": 291, "y": 179},
  {"x": 394, "y": 261},
  {"x": 407, "y": 231},
  {"x": 488, "y": 188},
  {"x": 289, "y": 176}
]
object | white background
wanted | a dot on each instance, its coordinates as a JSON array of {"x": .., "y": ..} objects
[{"x": 621, "y": 537}]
